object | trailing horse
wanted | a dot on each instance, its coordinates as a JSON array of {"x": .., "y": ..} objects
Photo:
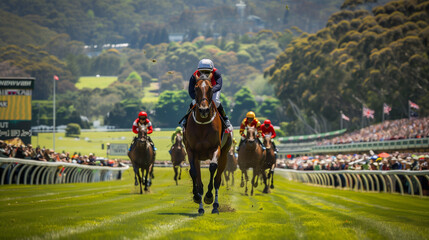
[
  {"x": 142, "y": 157},
  {"x": 251, "y": 155},
  {"x": 178, "y": 155},
  {"x": 268, "y": 163},
  {"x": 203, "y": 140},
  {"x": 231, "y": 166}
]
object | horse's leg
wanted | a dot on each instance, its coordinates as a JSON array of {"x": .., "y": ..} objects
[
  {"x": 180, "y": 171},
  {"x": 247, "y": 180},
  {"x": 232, "y": 177},
  {"x": 140, "y": 180},
  {"x": 265, "y": 179},
  {"x": 135, "y": 176},
  {"x": 175, "y": 174},
  {"x": 217, "y": 180},
  {"x": 147, "y": 171},
  {"x": 272, "y": 176},
  {"x": 195, "y": 184},
  {"x": 242, "y": 179},
  {"x": 149, "y": 181},
  {"x": 208, "y": 198},
  {"x": 254, "y": 174}
]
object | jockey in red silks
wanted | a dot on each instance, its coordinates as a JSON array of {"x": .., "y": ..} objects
[
  {"x": 250, "y": 121},
  {"x": 143, "y": 120},
  {"x": 205, "y": 66},
  {"x": 267, "y": 128}
]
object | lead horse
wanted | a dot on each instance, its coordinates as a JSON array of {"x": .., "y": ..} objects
[
  {"x": 203, "y": 140},
  {"x": 142, "y": 157}
]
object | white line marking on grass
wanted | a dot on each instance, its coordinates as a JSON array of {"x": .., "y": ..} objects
[
  {"x": 163, "y": 229},
  {"x": 68, "y": 231},
  {"x": 383, "y": 228}
]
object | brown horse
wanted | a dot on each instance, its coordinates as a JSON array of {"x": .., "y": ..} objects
[
  {"x": 203, "y": 140},
  {"x": 269, "y": 163},
  {"x": 231, "y": 166},
  {"x": 142, "y": 157},
  {"x": 251, "y": 155},
  {"x": 178, "y": 155}
]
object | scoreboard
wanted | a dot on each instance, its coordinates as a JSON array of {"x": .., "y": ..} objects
[{"x": 15, "y": 108}]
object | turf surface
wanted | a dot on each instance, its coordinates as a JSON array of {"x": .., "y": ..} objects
[{"x": 114, "y": 210}]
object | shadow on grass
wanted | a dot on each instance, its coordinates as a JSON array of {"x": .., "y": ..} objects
[{"x": 192, "y": 215}]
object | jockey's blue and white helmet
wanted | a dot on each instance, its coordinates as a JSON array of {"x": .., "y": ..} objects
[{"x": 205, "y": 64}]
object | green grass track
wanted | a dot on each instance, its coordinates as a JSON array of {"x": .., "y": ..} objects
[{"x": 114, "y": 210}]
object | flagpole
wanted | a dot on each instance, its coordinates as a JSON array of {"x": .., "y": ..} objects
[
  {"x": 53, "y": 131},
  {"x": 382, "y": 111},
  {"x": 361, "y": 122},
  {"x": 341, "y": 121}
]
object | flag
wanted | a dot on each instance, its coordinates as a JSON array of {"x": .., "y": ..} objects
[
  {"x": 386, "y": 109},
  {"x": 56, "y": 78},
  {"x": 413, "y": 105},
  {"x": 368, "y": 113},
  {"x": 345, "y": 117}
]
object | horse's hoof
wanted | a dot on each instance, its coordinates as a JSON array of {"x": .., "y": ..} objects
[
  {"x": 266, "y": 190},
  {"x": 272, "y": 186},
  {"x": 242, "y": 184},
  {"x": 215, "y": 210},
  {"x": 180, "y": 178},
  {"x": 255, "y": 185},
  {"x": 136, "y": 184},
  {"x": 201, "y": 211},
  {"x": 208, "y": 199},
  {"x": 197, "y": 199},
  {"x": 216, "y": 205}
]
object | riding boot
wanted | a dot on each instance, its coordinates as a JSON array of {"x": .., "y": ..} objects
[
  {"x": 239, "y": 145},
  {"x": 152, "y": 144},
  {"x": 262, "y": 145},
  {"x": 274, "y": 146},
  {"x": 132, "y": 144},
  {"x": 224, "y": 116},
  {"x": 183, "y": 122}
]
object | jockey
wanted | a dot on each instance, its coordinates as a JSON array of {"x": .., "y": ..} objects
[
  {"x": 205, "y": 66},
  {"x": 173, "y": 137},
  {"x": 267, "y": 128},
  {"x": 250, "y": 121},
  {"x": 143, "y": 120}
]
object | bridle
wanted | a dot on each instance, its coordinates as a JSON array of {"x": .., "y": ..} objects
[{"x": 211, "y": 102}]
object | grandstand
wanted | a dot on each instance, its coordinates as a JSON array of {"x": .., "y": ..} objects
[{"x": 406, "y": 135}]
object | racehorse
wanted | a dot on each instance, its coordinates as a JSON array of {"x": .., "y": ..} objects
[
  {"x": 251, "y": 155},
  {"x": 231, "y": 166},
  {"x": 142, "y": 157},
  {"x": 203, "y": 140},
  {"x": 178, "y": 155},
  {"x": 268, "y": 163}
]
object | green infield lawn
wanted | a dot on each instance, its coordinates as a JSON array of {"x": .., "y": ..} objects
[
  {"x": 91, "y": 142},
  {"x": 95, "y": 82},
  {"x": 114, "y": 210}
]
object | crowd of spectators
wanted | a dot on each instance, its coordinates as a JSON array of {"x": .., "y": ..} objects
[
  {"x": 49, "y": 155},
  {"x": 388, "y": 130},
  {"x": 383, "y": 161}
]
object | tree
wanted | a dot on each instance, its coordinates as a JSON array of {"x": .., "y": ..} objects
[
  {"x": 244, "y": 101},
  {"x": 73, "y": 129},
  {"x": 171, "y": 107}
]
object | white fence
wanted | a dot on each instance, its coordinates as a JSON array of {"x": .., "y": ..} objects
[
  {"x": 23, "y": 171},
  {"x": 394, "y": 181}
]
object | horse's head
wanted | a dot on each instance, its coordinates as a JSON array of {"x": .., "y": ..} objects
[
  {"x": 204, "y": 94},
  {"x": 267, "y": 141},
  {"x": 251, "y": 134},
  {"x": 142, "y": 132},
  {"x": 178, "y": 139}
]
